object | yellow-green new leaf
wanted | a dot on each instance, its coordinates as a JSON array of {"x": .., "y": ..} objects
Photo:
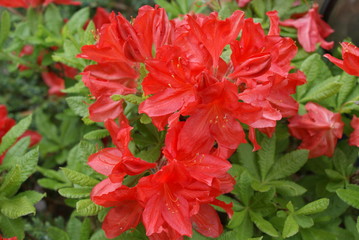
[
  {"x": 87, "y": 208},
  {"x": 314, "y": 207},
  {"x": 79, "y": 178},
  {"x": 290, "y": 228}
]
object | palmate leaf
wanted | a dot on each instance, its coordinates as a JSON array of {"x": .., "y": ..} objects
[
  {"x": 15, "y": 132},
  {"x": 288, "y": 164},
  {"x": 350, "y": 195},
  {"x": 315, "y": 70},
  {"x": 322, "y": 90},
  {"x": 348, "y": 84}
]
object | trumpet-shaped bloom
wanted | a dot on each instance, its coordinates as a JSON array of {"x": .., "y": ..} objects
[
  {"x": 311, "y": 30},
  {"x": 319, "y": 130},
  {"x": 350, "y": 62}
]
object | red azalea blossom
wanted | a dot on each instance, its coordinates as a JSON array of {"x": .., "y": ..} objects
[
  {"x": 311, "y": 30},
  {"x": 34, "y": 3},
  {"x": 354, "y": 136},
  {"x": 199, "y": 98},
  {"x": 319, "y": 130},
  {"x": 350, "y": 62}
]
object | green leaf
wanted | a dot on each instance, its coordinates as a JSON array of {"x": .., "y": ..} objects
[
  {"x": 85, "y": 229},
  {"x": 322, "y": 90},
  {"x": 53, "y": 19},
  {"x": 78, "y": 20},
  {"x": 88, "y": 37},
  {"x": 79, "y": 105},
  {"x": 28, "y": 163},
  {"x": 170, "y": 8},
  {"x": 15, "y": 132},
  {"x": 87, "y": 208},
  {"x": 12, "y": 227},
  {"x": 258, "y": 7},
  {"x": 304, "y": 221},
  {"x": 51, "y": 184},
  {"x": 57, "y": 233},
  {"x": 341, "y": 162},
  {"x": 5, "y": 25},
  {"x": 263, "y": 224},
  {"x": 11, "y": 182},
  {"x": 288, "y": 164},
  {"x": 33, "y": 196},
  {"x": 132, "y": 98},
  {"x": 315, "y": 70},
  {"x": 266, "y": 155},
  {"x": 288, "y": 188},
  {"x": 97, "y": 134},
  {"x": 350, "y": 196},
  {"x": 290, "y": 228},
  {"x": 16, "y": 151},
  {"x": 145, "y": 119},
  {"x": 314, "y": 207},
  {"x": 75, "y": 192},
  {"x": 245, "y": 190},
  {"x": 237, "y": 219},
  {"x": 72, "y": 228},
  {"x": 79, "y": 178},
  {"x": 247, "y": 158},
  {"x": 349, "y": 83},
  {"x": 46, "y": 127},
  {"x": 17, "y": 207},
  {"x": 357, "y": 224}
]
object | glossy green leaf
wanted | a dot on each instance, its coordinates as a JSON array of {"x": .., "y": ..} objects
[
  {"x": 290, "y": 228},
  {"x": 314, "y": 207},
  {"x": 263, "y": 224},
  {"x": 75, "y": 192},
  {"x": 288, "y": 164},
  {"x": 17, "y": 207},
  {"x": 79, "y": 178},
  {"x": 87, "y": 208},
  {"x": 15, "y": 132},
  {"x": 350, "y": 196}
]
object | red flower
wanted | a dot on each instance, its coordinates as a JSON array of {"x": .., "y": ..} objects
[
  {"x": 311, "y": 30},
  {"x": 34, "y": 3},
  {"x": 54, "y": 82},
  {"x": 118, "y": 162},
  {"x": 101, "y": 17},
  {"x": 350, "y": 62},
  {"x": 243, "y": 3},
  {"x": 12, "y": 238},
  {"x": 354, "y": 136},
  {"x": 319, "y": 130}
]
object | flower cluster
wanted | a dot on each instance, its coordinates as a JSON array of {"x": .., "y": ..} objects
[{"x": 200, "y": 96}]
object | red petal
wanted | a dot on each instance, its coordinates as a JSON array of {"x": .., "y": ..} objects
[{"x": 207, "y": 222}]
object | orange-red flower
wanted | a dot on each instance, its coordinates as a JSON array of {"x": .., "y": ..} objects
[
  {"x": 350, "y": 62},
  {"x": 319, "y": 129}
]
